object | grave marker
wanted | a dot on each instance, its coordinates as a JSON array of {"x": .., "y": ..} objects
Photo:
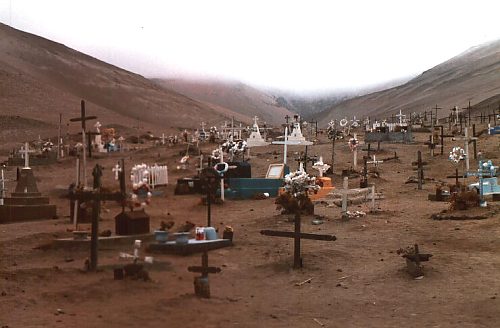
[
  {"x": 467, "y": 139},
  {"x": 25, "y": 151},
  {"x": 96, "y": 195},
  {"x": 83, "y": 118},
  {"x": 201, "y": 284},
  {"x": 298, "y": 184}
]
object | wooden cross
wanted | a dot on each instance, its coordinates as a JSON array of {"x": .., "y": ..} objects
[
  {"x": 83, "y": 118},
  {"x": 367, "y": 149},
  {"x": 209, "y": 178},
  {"x": 345, "y": 192},
  {"x": 432, "y": 145},
  {"x": 201, "y": 286},
  {"x": 363, "y": 182},
  {"x": 420, "y": 169},
  {"x": 297, "y": 236},
  {"x": 97, "y": 196},
  {"x": 26, "y": 154}
]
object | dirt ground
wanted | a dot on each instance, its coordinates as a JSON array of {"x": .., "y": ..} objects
[{"x": 356, "y": 281}]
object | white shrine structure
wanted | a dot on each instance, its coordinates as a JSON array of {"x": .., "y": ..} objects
[{"x": 255, "y": 139}]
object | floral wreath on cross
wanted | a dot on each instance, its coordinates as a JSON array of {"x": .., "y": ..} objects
[
  {"x": 353, "y": 144},
  {"x": 457, "y": 154}
]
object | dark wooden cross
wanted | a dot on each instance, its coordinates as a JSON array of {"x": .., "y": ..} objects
[
  {"x": 287, "y": 118},
  {"x": 416, "y": 258},
  {"x": 420, "y": 169},
  {"x": 363, "y": 182},
  {"x": 368, "y": 149},
  {"x": 83, "y": 118},
  {"x": 304, "y": 159},
  {"x": 431, "y": 144},
  {"x": 297, "y": 236},
  {"x": 210, "y": 180},
  {"x": 96, "y": 195},
  {"x": 201, "y": 285}
]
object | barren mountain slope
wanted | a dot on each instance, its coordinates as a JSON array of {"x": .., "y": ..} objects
[
  {"x": 40, "y": 79},
  {"x": 473, "y": 75},
  {"x": 236, "y": 96}
]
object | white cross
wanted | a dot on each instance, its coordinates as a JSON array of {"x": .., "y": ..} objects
[
  {"x": 401, "y": 116},
  {"x": 117, "y": 169},
  {"x": 97, "y": 126},
  {"x": 466, "y": 140},
  {"x": 374, "y": 161},
  {"x": 26, "y": 151},
  {"x": 321, "y": 167}
]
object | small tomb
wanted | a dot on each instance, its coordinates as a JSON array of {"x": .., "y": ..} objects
[
  {"x": 26, "y": 202},
  {"x": 246, "y": 188},
  {"x": 132, "y": 223}
]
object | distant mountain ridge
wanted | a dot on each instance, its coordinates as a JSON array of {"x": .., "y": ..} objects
[
  {"x": 236, "y": 96},
  {"x": 40, "y": 78},
  {"x": 472, "y": 75}
]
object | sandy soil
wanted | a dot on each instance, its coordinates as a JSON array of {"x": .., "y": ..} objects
[{"x": 356, "y": 281}]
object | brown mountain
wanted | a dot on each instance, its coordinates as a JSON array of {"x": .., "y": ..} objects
[
  {"x": 473, "y": 75},
  {"x": 235, "y": 96},
  {"x": 40, "y": 78}
]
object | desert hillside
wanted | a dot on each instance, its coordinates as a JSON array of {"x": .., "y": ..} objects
[
  {"x": 236, "y": 96},
  {"x": 40, "y": 78},
  {"x": 473, "y": 75}
]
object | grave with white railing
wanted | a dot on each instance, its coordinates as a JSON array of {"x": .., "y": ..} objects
[{"x": 156, "y": 175}]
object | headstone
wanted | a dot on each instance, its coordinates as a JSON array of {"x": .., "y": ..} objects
[{"x": 26, "y": 202}]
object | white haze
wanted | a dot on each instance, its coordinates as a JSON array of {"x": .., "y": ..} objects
[{"x": 293, "y": 45}]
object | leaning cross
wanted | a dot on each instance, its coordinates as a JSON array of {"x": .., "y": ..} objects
[
  {"x": 83, "y": 118},
  {"x": 26, "y": 153},
  {"x": 297, "y": 236}
]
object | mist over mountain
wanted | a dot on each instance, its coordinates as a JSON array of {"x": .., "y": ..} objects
[{"x": 473, "y": 75}]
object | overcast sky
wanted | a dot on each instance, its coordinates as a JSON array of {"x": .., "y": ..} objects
[{"x": 294, "y": 45}]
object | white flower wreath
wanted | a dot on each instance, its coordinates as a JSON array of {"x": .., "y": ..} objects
[{"x": 457, "y": 154}]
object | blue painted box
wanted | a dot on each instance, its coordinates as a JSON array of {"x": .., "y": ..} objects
[{"x": 246, "y": 188}]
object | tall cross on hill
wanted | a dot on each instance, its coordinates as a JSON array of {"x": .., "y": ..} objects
[{"x": 83, "y": 118}]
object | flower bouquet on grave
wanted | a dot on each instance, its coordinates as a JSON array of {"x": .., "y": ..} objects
[
  {"x": 234, "y": 148},
  {"x": 295, "y": 199},
  {"x": 140, "y": 197}
]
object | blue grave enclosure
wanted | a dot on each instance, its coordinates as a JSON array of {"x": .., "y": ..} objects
[
  {"x": 494, "y": 130},
  {"x": 247, "y": 188}
]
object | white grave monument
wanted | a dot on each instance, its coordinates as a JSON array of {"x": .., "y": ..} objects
[
  {"x": 255, "y": 139},
  {"x": 98, "y": 138}
]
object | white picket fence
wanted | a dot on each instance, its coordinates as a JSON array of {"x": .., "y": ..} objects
[{"x": 156, "y": 175}]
